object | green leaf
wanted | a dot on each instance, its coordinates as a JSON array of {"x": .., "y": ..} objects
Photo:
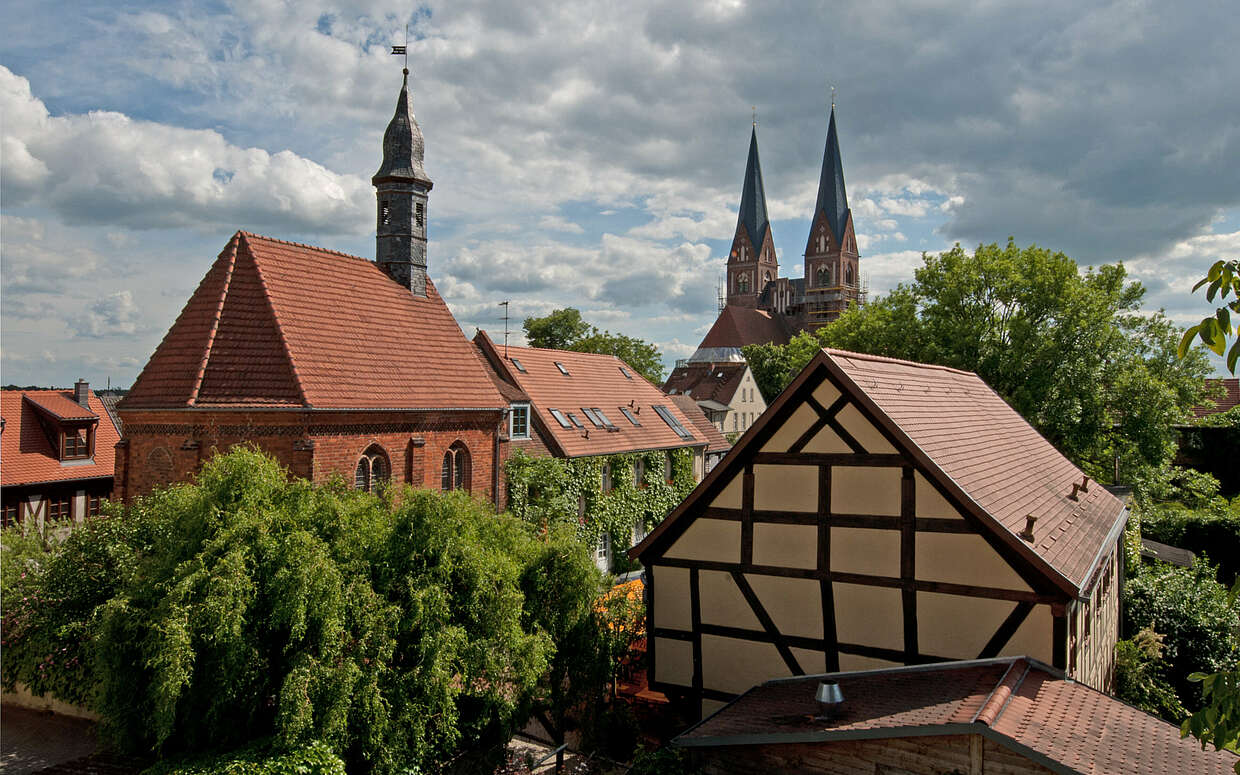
[{"x": 1186, "y": 341}]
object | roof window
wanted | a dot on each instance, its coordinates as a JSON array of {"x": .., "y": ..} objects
[
  {"x": 559, "y": 417},
  {"x": 563, "y": 370},
  {"x": 598, "y": 413},
  {"x": 626, "y": 373},
  {"x": 624, "y": 410},
  {"x": 517, "y": 363},
  {"x": 573, "y": 419},
  {"x": 589, "y": 413},
  {"x": 672, "y": 422}
]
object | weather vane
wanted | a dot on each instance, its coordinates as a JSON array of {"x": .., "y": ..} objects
[{"x": 403, "y": 50}]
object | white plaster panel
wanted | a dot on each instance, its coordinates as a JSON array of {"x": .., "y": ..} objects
[
  {"x": 673, "y": 661},
  {"x": 797, "y": 423},
  {"x": 956, "y": 626},
  {"x": 863, "y": 430},
  {"x": 730, "y": 496},
  {"x": 963, "y": 558},
  {"x": 869, "y": 616},
  {"x": 794, "y": 605},
  {"x": 865, "y": 550},
  {"x": 722, "y": 601},
  {"x": 812, "y": 662},
  {"x": 827, "y": 441},
  {"x": 865, "y": 490},
  {"x": 671, "y": 597},
  {"x": 709, "y": 539},
  {"x": 788, "y": 546},
  {"x": 857, "y": 662},
  {"x": 826, "y": 394},
  {"x": 1034, "y": 638},
  {"x": 785, "y": 488},
  {"x": 930, "y": 503},
  {"x": 734, "y": 665}
]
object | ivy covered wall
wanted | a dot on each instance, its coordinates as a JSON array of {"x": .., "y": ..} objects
[{"x": 547, "y": 491}]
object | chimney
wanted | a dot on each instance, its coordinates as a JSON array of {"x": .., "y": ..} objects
[{"x": 81, "y": 392}]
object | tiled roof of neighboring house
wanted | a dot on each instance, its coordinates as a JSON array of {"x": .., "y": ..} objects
[
  {"x": 28, "y": 456},
  {"x": 715, "y": 440},
  {"x": 707, "y": 381},
  {"x": 1017, "y": 702},
  {"x": 993, "y": 455},
  {"x": 592, "y": 381},
  {"x": 275, "y": 323},
  {"x": 109, "y": 401},
  {"x": 1230, "y": 397},
  {"x": 979, "y": 449},
  {"x": 738, "y": 326}
]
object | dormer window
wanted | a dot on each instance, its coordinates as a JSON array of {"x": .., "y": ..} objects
[{"x": 74, "y": 444}]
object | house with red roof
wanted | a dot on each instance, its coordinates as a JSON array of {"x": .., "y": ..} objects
[
  {"x": 882, "y": 513},
  {"x": 598, "y": 412},
  {"x": 335, "y": 364},
  {"x": 57, "y": 450},
  {"x": 1008, "y": 715},
  {"x": 725, "y": 391}
]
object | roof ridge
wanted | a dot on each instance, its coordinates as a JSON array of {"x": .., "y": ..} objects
[
  {"x": 559, "y": 350},
  {"x": 319, "y": 248},
  {"x": 900, "y": 361},
  {"x": 275, "y": 319},
  {"x": 999, "y": 697},
  {"x": 231, "y": 249}
]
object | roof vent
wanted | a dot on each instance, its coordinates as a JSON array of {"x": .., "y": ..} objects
[
  {"x": 1027, "y": 533},
  {"x": 829, "y": 698},
  {"x": 1079, "y": 488}
]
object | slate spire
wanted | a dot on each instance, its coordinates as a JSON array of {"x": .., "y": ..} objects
[
  {"x": 753, "y": 196},
  {"x": 832, "y": 198},
  {"x": 401, "y": 186}
]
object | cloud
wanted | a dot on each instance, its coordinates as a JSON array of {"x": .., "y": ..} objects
[
  {"x": 107, "y": 168},
  {"x": 112, "y": 315}
]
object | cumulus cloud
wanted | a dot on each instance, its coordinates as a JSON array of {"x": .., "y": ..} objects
[
  {"x": 108, "y": 168},
  {"x": 112, "y": 315}
]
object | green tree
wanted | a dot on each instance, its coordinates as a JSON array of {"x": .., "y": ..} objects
[
  {"x": 1214, "y": 331},
  {"x": 1140, "y": 677},
  {"x": 1070, "y": 350},
  {"x": 557, "y": 330},
  {"x": 564, "y": 329}
]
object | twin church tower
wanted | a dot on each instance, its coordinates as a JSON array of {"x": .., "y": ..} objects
[{"x": 831, "y": 279}]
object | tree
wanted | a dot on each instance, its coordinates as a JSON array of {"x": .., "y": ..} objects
[
  {"x": 1071, "y": 351},
  {"x": 1223, "y": 277},
  {"x": 556, "y": 331},
  {"x": 1218, "y": 722},
  {"x": 564, "y": 329}
]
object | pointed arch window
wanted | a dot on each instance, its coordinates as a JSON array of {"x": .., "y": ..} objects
[
  {"x": 455, "y": 473},
  {"x": 742, "y": 284},
  {"x": 373, "y": 470},
  {"x": 848, "y": 275}
]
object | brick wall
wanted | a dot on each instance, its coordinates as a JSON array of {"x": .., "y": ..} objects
[{"x": 165, "y": 446}]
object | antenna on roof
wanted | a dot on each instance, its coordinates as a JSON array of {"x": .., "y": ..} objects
[{"x": 504, "y": 304}]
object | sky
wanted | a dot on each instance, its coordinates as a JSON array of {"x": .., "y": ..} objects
[{"x": 590, "y": 154}]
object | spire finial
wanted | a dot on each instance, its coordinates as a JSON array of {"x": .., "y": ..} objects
[
  {"x": 754, "y": 109},
  {"x": 833, "y": 97}
]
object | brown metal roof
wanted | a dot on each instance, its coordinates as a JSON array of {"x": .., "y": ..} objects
[{"x": 1017, "y": 702}]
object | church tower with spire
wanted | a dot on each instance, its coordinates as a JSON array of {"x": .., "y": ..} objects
[
  {"x": 401, "y": 187},
  {"x": 751, "y": 262},
  {"x": 832, "y": 278}
]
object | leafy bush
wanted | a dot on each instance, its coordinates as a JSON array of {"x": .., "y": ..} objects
[
  {"x": 1200, "y": 623},
  {"x": 314, "y": 758},
  {"x": 1210, "y": 529},
  {"x": 249, "y": 606},
  {"x": 1140, "y": 677}
]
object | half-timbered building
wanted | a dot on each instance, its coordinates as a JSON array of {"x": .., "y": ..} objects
[{"x": 880, "y": 513}]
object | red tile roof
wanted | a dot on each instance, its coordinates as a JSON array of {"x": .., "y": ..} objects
[
  {"x": 1016, "y": 702},
  {"x": 707, "y": 381},
  {"x": 28, "y": 456},
  {"x": 592, "y": 381},
  {"x": 739, "y": 326},
  {"x": 715, "y": 440},
  {"x": 276, "y": 323},
  {"x": 995, "y": 456},
  {"x": 1230, "y": 397}
]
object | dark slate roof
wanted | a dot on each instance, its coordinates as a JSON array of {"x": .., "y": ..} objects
[
  {"x": 403, "y": 147},
  {"x": 832, "y": 198},
  {"x": 705, "y": 381},
  {"x": 753, "y": 197}
]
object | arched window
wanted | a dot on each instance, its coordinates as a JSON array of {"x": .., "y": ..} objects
[
  {"x": 742, "y": 283},
  {"x": 455, "y": 475},
  {"x": 824, "y": 277},
  {"x": 848, "y": 274},
  {"x": 373, "y": 469},
  {"x": 766, "y": 278}
]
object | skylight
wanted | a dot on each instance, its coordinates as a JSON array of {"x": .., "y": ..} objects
[
  {"x": 626, "y": 373},
  {"x": 672, "y": 422},
  {"x": 559, "y": 417},
  {"x": 602, "y": 417},
  {"x": 573, "y": 419},
  {"x": 517, "y": 363},
  {"x": 624, "y": 410},
  {"x": 589, "y": 413},
  {"x": 560, "y": 366}
]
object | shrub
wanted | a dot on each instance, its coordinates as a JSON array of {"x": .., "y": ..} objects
[
  {"x": 1140, "y": 677},
  {"x": 1212, "y": 529},
  {"x": 314, "y": 758}
]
